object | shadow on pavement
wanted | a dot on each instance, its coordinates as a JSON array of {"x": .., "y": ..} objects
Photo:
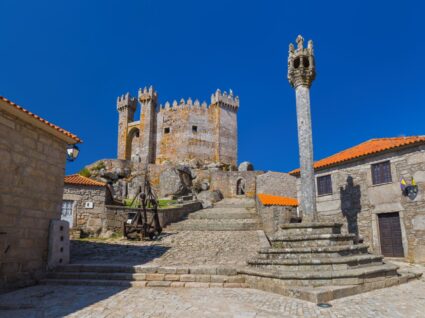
[{"x": 115, "y": 252}]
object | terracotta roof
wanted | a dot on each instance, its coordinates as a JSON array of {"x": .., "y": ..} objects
[
  {"x": 268, "y": 199},
  {"x": 80, "y": 180},
  {"x": 43, "y": 121},
  {"x": 366, "y": 148}
]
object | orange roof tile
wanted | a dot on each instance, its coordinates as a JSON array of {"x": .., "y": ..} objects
[
  {"x": 366, "y": 148},
  {"x": 34, "y": 116},
  {"x": 268, "y": 199},
  {"x": 77, "y": 179}
]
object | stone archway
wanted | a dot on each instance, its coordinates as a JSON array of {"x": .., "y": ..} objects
[
  {"x": 133, "y": 145},
  {"x": 240, "y": 186}
]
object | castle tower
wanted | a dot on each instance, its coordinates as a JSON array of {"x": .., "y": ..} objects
[
  {"x": 126, "y": 106},
  {"x": 301, "y": 73},
  {"x": 226, "y": 144},
  {"x": 148, "y": 99}
]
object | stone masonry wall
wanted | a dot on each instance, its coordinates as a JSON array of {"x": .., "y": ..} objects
[
  {"x": 360, "y": 201},
  {"x": 31, "y": 184},
  {"x": 226, "y": 182},
  {"x": 84, "y": 219},
  {"x": 277, "y": 183}
]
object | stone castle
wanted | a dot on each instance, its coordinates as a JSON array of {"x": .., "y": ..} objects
[{"x": 178, "y": 132}]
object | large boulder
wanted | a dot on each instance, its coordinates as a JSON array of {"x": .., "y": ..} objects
[
  {"x": 208, "y": 198},
  {"x": 176, "y": 181},
  {"x": 246, "y": 166}
]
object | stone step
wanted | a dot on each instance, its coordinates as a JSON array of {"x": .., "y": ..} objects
[
  {"x": 354, "y": 276},
  {"x": 311, "y": 228},
  {"x": 211, "y": 214},
  {"x": 216, "y": 225},
  {"x": 236, "y": 203},
  {"x": 281, "y": 239},
  {"x": 143, "y": 269},
  {"x": 312, "y": 264},
  {"x": 131, "y": 277},
  {"x": 324, "y": 294},
  {"x": 312, "y": 252},
  {"x": 125, "y": 283}
]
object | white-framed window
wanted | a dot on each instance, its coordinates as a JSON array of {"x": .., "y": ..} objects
[{"x": 67, "y": 211}]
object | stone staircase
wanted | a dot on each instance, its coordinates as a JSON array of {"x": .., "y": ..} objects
[
  {"x": 145, "y": 276},
  {"x": 238, "y": 214},
  {"x": 315, "y": 262}
]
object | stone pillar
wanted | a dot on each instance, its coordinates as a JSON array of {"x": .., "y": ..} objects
[{"x": 301, "y": 73}]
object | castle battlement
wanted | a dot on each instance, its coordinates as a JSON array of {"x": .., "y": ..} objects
[
  {"x": 189, "y": 104},
  {"x": 126, "y": 100},
  {"x": 224, "y": 99},
  {"x": 147, "y": 94}
]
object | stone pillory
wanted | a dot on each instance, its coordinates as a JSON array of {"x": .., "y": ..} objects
[
  {"x": 178, "y": 132},
  {"x": 301, "y": 73}
]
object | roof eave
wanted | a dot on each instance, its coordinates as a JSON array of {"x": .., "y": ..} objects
[{"x": 37, "y": 123}]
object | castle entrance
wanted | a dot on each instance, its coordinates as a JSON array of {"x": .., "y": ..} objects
[{"x": 133, "y": 151}]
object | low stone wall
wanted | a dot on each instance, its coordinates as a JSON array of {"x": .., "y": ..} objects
[
  {"x": 273, "y": 216},
  {"x": 226, "y": 182},
  {"x": 115, "y": 216}
]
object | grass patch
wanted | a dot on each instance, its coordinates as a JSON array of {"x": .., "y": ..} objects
[{"x": 162, "y": 203}]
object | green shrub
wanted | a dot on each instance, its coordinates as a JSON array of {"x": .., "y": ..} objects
[
  {"x": 99, "y": 166},
  {"x": 85, "y": 173}
]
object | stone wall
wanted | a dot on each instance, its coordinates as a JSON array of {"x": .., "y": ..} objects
[
  {"x": 88, "y": 220},
  {"x": 31, "y": 184},
  {"x": 274, "y": 215},
  {"x": 115, "y": 216},
  {"x": 277, "y": 183},
  {"x": 226, "y": 182},
  {"x": 357, "y": 201}
]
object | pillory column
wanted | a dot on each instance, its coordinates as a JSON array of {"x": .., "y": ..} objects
[{"x": 301, "y": 73}]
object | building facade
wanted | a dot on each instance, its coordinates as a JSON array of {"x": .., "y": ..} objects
[
  {"x": 83, "y": 205},
  {"x": 178, "y": 132},
  {"x": 32, "y": 166},
  {"x": 365, "y": 188}
]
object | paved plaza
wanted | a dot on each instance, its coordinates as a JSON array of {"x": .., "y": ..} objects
[
  {"x": 172, "y": 249},
  {"x": 406, "y": 300}
]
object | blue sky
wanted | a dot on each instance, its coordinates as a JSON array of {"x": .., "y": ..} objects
[{"x": 67, "y": 61}]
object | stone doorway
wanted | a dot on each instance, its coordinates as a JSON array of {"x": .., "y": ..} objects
[
  {"x": 390, "y": 235},
  {"x": 240, "y": 186}
]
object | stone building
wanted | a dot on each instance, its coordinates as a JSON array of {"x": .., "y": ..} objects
[
  {"x": 361, "y": 187},
  {"x": 32, "y": 166},
  {"x": 84, "y": 201},
  {"x": 178, "y": 132}
]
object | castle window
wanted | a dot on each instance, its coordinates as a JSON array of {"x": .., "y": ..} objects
[
  {"x": 166, "y": 130},
  {"x": 324, "y": 185},
  {"x": 194, "y": 129},
  {"x": 381, "y": 172}
]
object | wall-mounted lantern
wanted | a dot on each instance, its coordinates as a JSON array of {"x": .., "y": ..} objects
[{"x": 72, "y": 152}]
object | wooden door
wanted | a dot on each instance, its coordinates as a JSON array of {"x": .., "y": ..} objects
[{"x": 390, "y": 234}]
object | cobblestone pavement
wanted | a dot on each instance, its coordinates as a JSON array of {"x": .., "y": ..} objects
[
  {"x": 406, "y": 300},
  {"x": 178, "y": 248}
]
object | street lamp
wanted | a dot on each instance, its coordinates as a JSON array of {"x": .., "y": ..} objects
[{"x": 72, "y": 152}]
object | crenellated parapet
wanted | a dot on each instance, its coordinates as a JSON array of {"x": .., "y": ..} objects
[
  {"x": 183, "y": 104},
  {"x": 147, "y": 94},
  {"x": 301, "y": 67},
  {"x": 126, "y": 101},
  {"x": 225, "y": 100}
]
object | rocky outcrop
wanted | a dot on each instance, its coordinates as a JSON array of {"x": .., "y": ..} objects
[
  {"x": 176, "y": 181},
  {"x": 246, "y": 166},
  {"x": 208, "y": 198}
]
